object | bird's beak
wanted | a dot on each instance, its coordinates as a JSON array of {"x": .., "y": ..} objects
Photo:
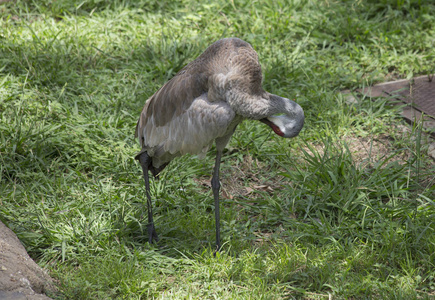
[{"x": 272, "y": 125}]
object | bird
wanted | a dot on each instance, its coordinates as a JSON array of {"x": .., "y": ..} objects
[{"x": 203, "y": 104}]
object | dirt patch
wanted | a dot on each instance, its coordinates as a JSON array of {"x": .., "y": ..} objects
[
  {"x": 245, "y": 177},
  {"x": 20, "y": 276},
  {"x": 368, "y": 150}
]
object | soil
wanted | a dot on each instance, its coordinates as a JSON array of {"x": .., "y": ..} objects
[{"x": 20, "y": 277}]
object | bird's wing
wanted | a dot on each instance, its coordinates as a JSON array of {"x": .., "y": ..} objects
[
  {"x": 192, "y": 131},
  {"x": 176, "y": 96}
]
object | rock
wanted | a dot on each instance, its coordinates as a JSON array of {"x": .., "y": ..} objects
[{"x": 20, "y": 276}]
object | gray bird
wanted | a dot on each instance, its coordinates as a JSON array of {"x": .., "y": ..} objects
[{"x": 204, "y": 103}]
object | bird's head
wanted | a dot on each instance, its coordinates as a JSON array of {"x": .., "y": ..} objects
[{"x": 289, "y": 121}]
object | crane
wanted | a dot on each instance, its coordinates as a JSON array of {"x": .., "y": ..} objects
[{"x": 203, "y": 104}]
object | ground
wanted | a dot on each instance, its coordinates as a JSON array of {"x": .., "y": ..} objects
[{"x": 22, "y": 278}]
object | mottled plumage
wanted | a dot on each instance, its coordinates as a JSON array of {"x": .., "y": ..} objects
[{"x": 204, "y": 103}]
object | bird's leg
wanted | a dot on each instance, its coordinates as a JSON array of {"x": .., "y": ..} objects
[
  {"x": 215, "y": 185},
  {"x": 145, "y": 161}
]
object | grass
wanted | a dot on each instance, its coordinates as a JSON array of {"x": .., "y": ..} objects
[{"x": 346, "y": 209}]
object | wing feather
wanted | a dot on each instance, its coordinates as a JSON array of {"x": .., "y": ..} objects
[{"x": 193, "y": 131}]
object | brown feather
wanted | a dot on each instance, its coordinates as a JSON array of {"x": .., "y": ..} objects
[{"x": 177, "y": 94}]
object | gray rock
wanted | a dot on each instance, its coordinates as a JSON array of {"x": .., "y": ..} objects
[{"x": 20, "y": 276}]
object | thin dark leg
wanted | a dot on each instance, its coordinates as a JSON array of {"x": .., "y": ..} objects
[
  {"x": 215, "y": 185},
  {"x": 145, "y": 161}
]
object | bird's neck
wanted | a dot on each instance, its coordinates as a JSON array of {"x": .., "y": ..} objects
[{"x": 258, "y": 106}]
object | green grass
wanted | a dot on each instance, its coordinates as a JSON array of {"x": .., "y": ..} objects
[{"x": 303, "y": 218}]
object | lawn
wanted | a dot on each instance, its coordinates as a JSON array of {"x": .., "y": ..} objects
[{"x": 345, "y": 210}]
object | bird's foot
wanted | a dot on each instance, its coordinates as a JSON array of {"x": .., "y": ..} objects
[{"x": 152, "y": 233}]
